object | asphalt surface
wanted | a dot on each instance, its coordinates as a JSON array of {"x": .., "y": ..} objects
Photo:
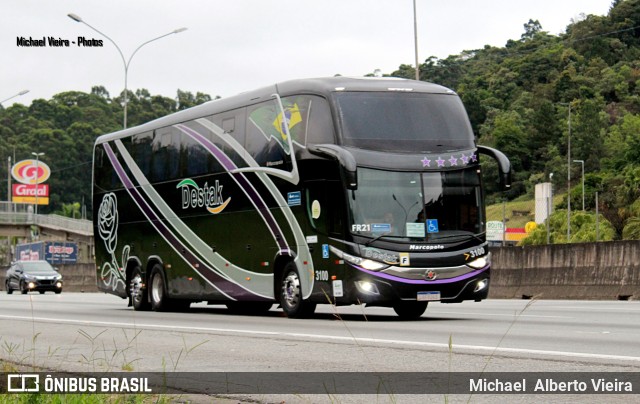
[{"x": 98, "y": 333}]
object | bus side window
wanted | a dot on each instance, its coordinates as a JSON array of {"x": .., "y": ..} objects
[
  {"x": 141, "y": 151},
  {"x": 320, "y": 125},
  {"x": 232, "y": 123},
  {"x": 166, "y": 148}
]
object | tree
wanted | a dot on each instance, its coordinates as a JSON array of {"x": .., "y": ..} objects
[
  {"x": 531, "y": 28},
  {"x": 583, "y": 229}
]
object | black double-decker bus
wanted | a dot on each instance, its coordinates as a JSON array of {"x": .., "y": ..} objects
[{"x": 335, "y": 190}]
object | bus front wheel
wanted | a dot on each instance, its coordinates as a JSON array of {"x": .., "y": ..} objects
[
  {"x": 410, "y": 310},
  {"x": 291, "y": 294}
]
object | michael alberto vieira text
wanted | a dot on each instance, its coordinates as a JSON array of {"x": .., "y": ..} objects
[
  {"x": 56, "y": 42},
  {"x": 592, "y": 385}
]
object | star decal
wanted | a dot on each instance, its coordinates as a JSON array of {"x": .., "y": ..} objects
[
  {"x": 474, "y": 157},
  {"x": 440, "y": 161},
  {"x": 465, "y": 159},
  {"x": 453, "y": 161},
  {"x": 426, "y": 162}
]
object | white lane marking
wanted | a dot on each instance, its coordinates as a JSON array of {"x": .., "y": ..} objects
[
  {"x": 336, "y": 338},
  {"x": 512, "y": 315}
]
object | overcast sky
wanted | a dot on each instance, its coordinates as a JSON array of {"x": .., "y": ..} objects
[{"x": 237, "y": 45}]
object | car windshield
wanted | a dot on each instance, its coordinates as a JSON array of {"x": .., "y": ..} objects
[
  {"x": 429, "y": 206},
  {"x": 404, "y": 122},
  {"x": 41, "y": 267}
]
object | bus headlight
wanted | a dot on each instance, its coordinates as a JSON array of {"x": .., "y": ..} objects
[
  {"x": 479, "y": 263},
  {"x": 365, "y": 263},
  {"x": 481, "y": 285},
  {"x": 367, "y": 287}
]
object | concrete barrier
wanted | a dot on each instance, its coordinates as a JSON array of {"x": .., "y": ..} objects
[
  {"x": 604, "y": 271},
  {"x": 590, "y": 271}
]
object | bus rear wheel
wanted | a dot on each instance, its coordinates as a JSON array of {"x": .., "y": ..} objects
[
  {"x": 137, "y": 290},
  {"x": 158, "y": 293},
  {"x": 410, "y": 310},
  {"x": 291, "y": 300},
  {"x": 157, "y": 290}
]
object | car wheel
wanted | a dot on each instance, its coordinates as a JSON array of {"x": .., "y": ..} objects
[
  {"x": 57, "y": 292},
  {"x": 23, "y": 288},
  {"x": 291, "y": 299},
  {"x": 41, "y": 292},
  {"x": 138, "y": 291},
  {"x": 8, "y": 287}
]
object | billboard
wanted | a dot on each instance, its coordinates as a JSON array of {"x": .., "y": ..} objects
[
  {"x": 54, "y": 252},
  {"x": 31, "y": 175}
]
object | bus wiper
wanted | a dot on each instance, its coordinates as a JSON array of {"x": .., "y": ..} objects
[
  {"x": 468, "y": 235},
  {"x": 379, "y": 237}
]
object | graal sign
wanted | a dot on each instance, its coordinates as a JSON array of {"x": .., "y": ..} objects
[{"x": 31, "y": 175}]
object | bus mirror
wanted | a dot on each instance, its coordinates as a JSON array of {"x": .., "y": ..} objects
[
  {"x": 344, "y": 157},
  {"x": 504, "y": 165}
]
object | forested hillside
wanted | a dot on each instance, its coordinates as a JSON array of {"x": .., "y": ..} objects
[
  {"x": 65, "y": 128},
  {"x": 520, "y": 99}
]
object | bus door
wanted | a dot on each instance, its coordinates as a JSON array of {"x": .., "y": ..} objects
[{"x": 324, "y": 209}]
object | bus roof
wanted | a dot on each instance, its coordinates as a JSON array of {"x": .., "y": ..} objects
[{"x": 319, "y": 86}]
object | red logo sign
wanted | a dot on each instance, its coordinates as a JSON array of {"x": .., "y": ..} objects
[
  {"x": 31, "y": 172},
  {"x": 30, "y": 190}
]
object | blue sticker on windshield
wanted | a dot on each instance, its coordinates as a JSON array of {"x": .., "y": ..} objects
[
  {"x": 432, "y": 226},
  {"x": 381, "y": 227}
]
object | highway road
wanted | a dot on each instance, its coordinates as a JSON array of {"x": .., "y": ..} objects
[{"x": 97, "y": 332}]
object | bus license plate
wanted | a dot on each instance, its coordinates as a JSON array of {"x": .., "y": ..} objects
[{"x": 428, "y": 296}]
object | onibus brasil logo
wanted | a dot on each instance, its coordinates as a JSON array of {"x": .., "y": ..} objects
[{"x": 195, "y": 196}]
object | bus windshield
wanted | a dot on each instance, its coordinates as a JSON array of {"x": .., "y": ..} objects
[
  {"x": 406, "y": 206},
  {"x": 404, "y": 122}
]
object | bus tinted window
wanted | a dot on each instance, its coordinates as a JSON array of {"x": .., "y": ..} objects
[
  {"x": 401, "y": 122},
  {"x": 166, "y": 148},
  {"x": 142, "y": 151}
]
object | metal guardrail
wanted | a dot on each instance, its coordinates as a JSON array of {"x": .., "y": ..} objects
[{"x": 80, "y": 226}]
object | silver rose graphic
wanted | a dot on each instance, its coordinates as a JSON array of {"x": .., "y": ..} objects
[
  {"x": 108, "y": 222},
  {"x": 112, "y": 273}
]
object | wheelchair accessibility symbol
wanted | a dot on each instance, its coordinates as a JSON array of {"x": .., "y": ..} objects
[{"x": 432, "y": 226}]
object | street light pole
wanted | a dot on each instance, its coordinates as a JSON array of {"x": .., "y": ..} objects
[
  {"x": 415, "y": 39},
  {"x": 23, "y": 92},
  {"x": 568, "y": 174},
  {"x": 126, "y": 63},
  {"x": 37, "y": 178},
  {"x": 549, "y": 202},
  {"x": 569, "y": 179},
  {"x": 582, "y": 163}
]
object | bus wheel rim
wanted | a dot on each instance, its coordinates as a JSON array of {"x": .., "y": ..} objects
[
  {"x": 291, "y": 289},
  {"x": 156, "y": 289},
  {"x": 136, "y": 288}
]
